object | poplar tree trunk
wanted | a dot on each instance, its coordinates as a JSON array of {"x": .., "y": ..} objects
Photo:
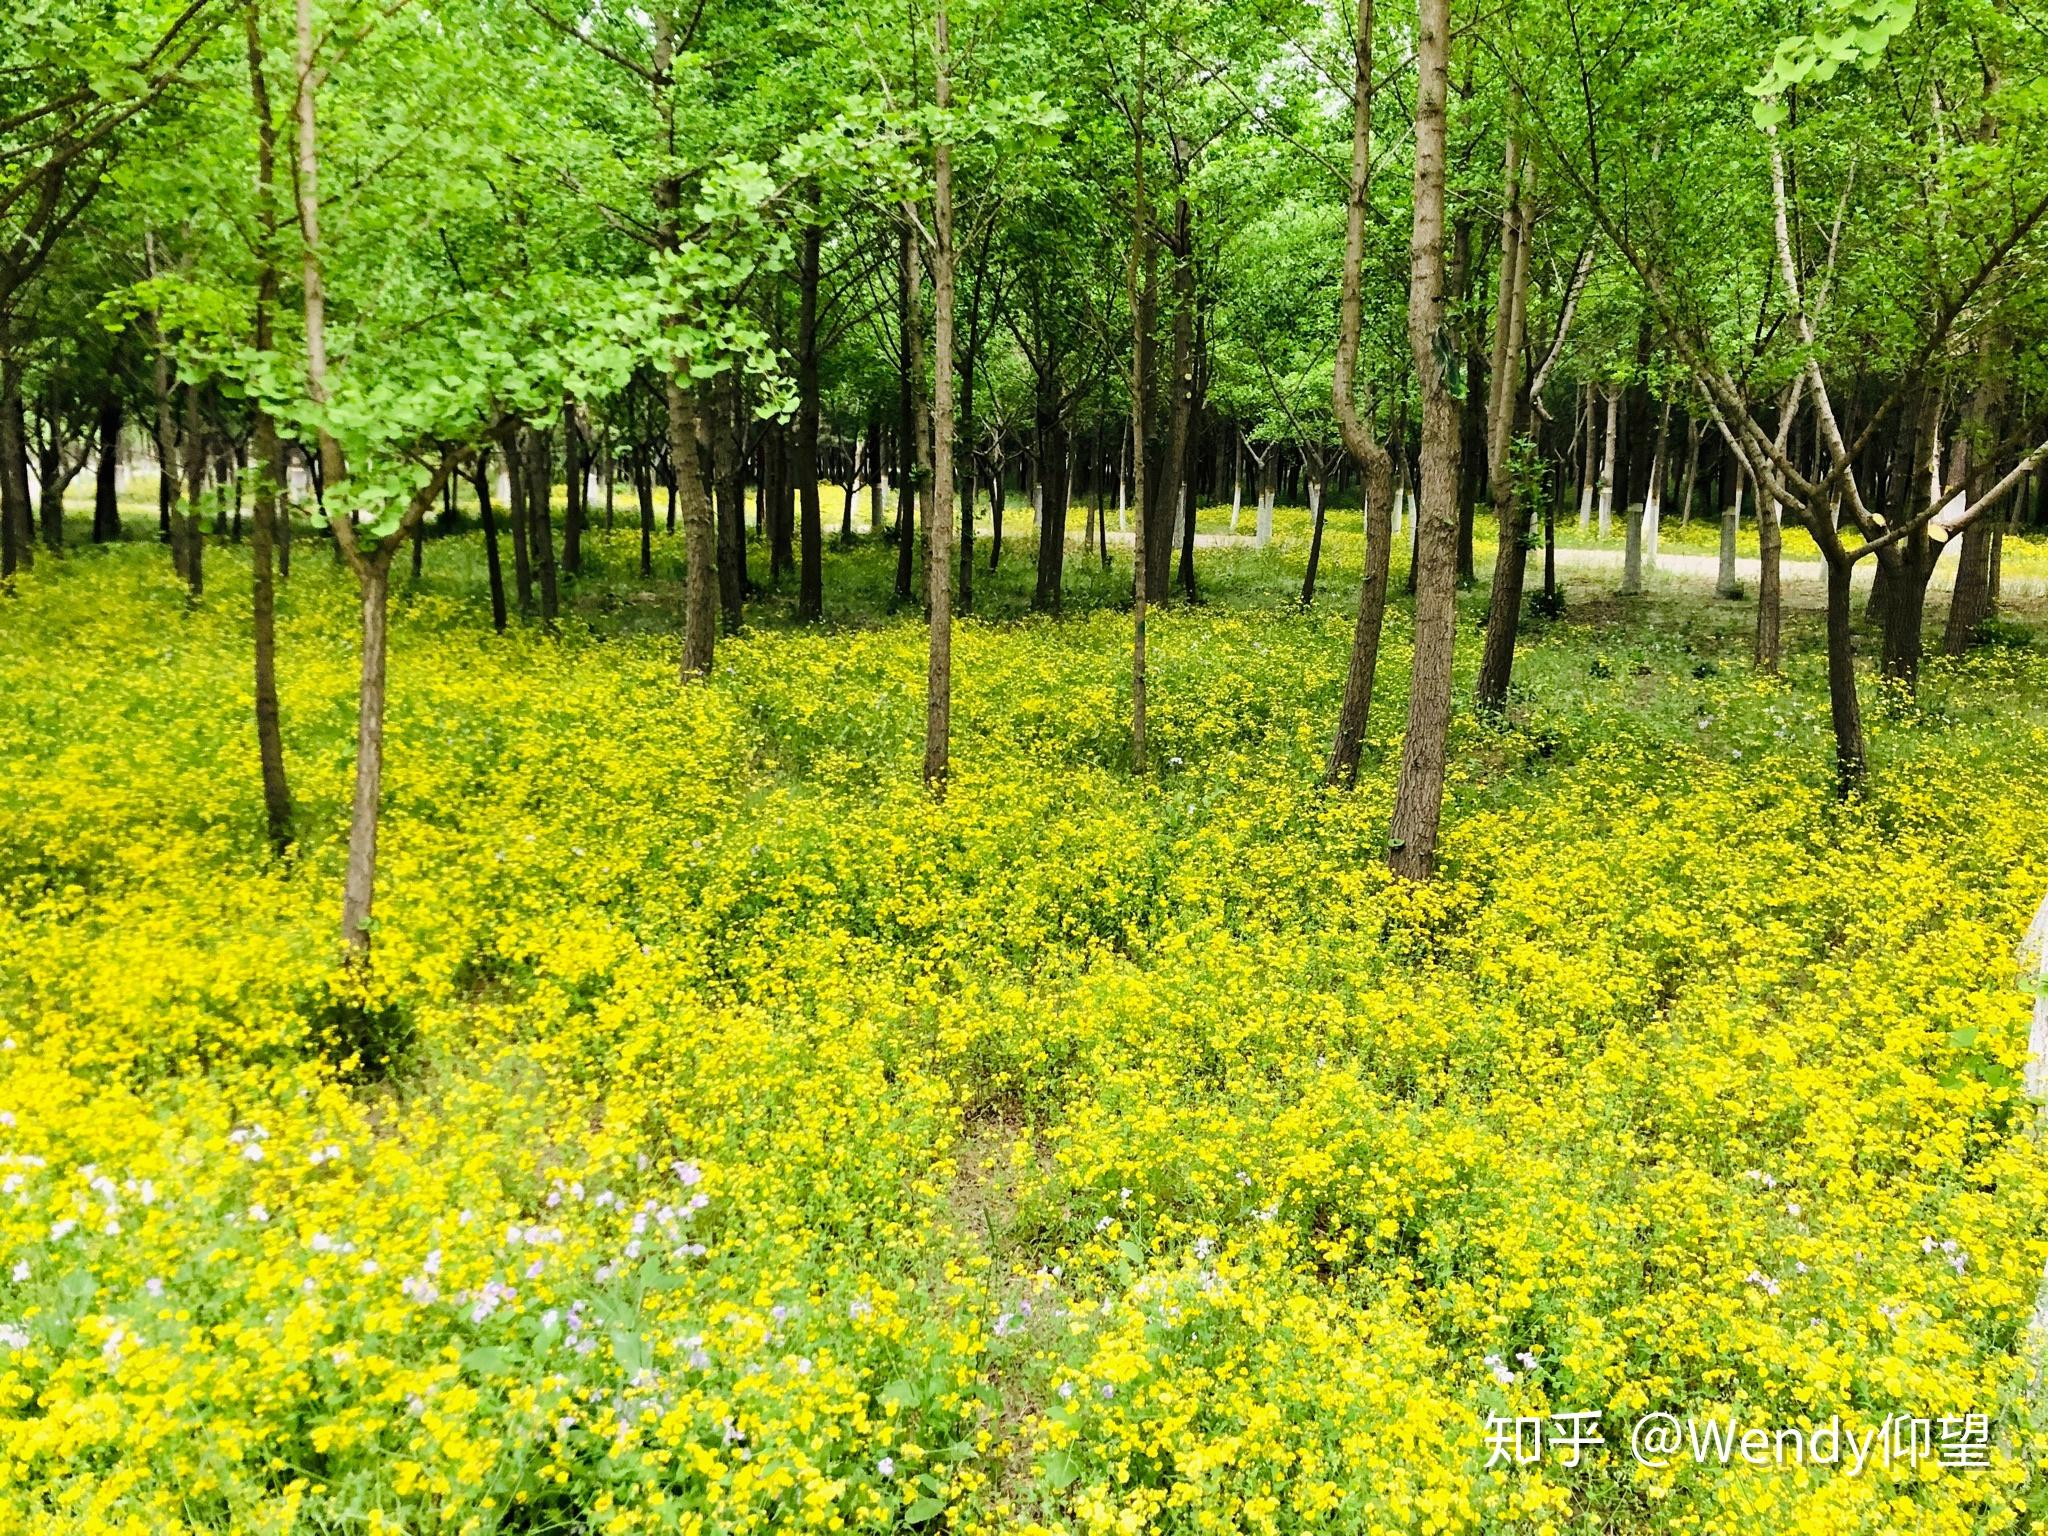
[{"x": 1418, "y": 794}]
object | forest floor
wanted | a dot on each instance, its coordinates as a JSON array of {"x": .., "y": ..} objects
[{"x": 735, "y": 1139}]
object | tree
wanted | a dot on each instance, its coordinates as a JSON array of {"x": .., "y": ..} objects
[{"x": 1419, "y": 792}]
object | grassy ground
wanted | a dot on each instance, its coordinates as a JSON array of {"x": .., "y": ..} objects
[{"x": 731, "y": 1139}]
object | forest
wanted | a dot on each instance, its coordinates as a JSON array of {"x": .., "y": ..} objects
[{"x": 1071, "y": 767}]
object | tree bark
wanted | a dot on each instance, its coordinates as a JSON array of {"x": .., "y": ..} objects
[
  {"x": 106, "y": 507},
  {"x": 191, "y": 531},
  {"x": 700, "y": 553},
  {"x": 1843, "y": 708},
  {"x": 493, "y": 565},
  {"x": 1418, "y": 794},
  {"x": 540, "y": 496},
  {"x": 1052, "y": 483},
  {"x": 729, "y": 474},
  {"x": 17, "y": 535},
  {"x": 269, "y": 456},
  {"x": 576, "y": 475},
  {"x": 810, "y": 598},
  {"x": 268, "y": 453}
]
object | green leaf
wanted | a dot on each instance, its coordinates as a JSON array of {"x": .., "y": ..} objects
[{"x": 902, "y": 1394}]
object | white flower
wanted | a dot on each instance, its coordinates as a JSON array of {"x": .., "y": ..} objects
[
  {"x": 13, "y": 1336},
  {"x": 21, "y": 1271},
  {"x": 259, "y": 1212},
  {"x": 886, "y": 1466},
  {"x": 60, "y": 1230},
  {"x": 687, "y": 1174}
]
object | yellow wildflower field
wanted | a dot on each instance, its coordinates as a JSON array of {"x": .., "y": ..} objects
[{"x": 738, "y": 1141}]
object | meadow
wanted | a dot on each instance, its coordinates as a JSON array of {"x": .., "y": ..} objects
[{"x": 736, "y": 1140}]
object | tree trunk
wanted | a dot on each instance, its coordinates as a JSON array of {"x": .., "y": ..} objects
[
  {"x": 1610, "y": 440},
  {"x": 191, "y": 531},
  {"x": 1907, "y": 566},
  {"x": 1692, "y": 472},
  {"x": 1970, "y": 603},
  {"x": 810, "y": 591},
  {"x": 1052, "y": 484},
  {"x": 576, "y": 472},
  {"x": 875, "y": 477},
  {"x": 729, "y": 485},
  {"x": 700, "y": 552},
  {"x": 1843, "y": 708},
  {"x": 540, "y": 496},
  {"x": 494, "y": 567},
  {"x": 516, "y": 500},
  {"x": 277, "y": 800},
  {"x": 1727, "y": 583},
  {"x": 1315, "y": 539},
  {"x": 906, "y": 406},
  {"x": 1418, "y": 794},
  {"x": 17, "y": 535},
  {"x": 106, "y": 507},
  {"x": 359, "y": 883},
  {"x": 1769, "y": 614}
]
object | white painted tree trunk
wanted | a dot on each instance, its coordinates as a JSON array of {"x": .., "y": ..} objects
[
  {"x": 1265, "y": 533},
  {"x": 1632, "y": 556},
  {"x": 1606, "y": 495},
  {"x": 1726, "y": 583},
  {"x": 1123, "y": 469}
]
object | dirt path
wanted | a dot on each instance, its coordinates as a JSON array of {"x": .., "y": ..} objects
[{"x": 1690, "y": 566}]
